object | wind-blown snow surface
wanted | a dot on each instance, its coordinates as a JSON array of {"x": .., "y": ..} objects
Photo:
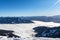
[{"x": 26, "y": 30}]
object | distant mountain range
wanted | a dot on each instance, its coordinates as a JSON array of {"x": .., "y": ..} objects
[
  {"x": 55, "y": 19},
  {"x": 13, "y": 20}
]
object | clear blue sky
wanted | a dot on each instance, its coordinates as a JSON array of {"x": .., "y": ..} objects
[{"x": 29, "y": 7}]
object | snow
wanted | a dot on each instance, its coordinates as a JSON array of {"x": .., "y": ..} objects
[{"x": 41, "y": 38}]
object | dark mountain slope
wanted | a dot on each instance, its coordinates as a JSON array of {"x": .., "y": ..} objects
[
  {"x": 43, "y": 31},
  {"x": 8, "y": 33}
]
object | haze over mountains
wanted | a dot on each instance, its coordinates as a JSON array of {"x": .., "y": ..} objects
[
  {"x": 46, "y": 19},
  {"x": 14, "y": 20}
]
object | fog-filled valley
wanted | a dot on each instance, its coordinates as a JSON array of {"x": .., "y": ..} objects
[{"x": 30, "y": 28}]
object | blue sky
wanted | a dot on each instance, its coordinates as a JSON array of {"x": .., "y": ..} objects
[{"x": 29, "y": 7}]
